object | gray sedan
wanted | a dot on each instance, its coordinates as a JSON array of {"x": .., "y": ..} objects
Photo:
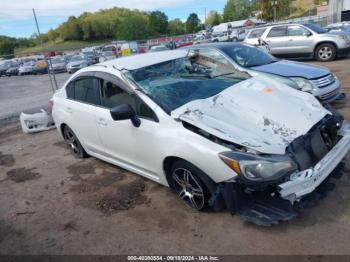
[{"x": 316, "y": 80}]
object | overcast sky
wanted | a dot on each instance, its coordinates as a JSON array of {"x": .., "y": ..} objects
[{"x": 16, "y": 17}]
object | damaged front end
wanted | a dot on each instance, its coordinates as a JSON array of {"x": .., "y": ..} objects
[{"x": 270, "y": 188}]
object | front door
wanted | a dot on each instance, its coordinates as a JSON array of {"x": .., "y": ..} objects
[{"x": 122, "y": 141}]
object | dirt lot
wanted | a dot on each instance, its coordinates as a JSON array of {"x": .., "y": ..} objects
[{"x": 53, "y": 203}]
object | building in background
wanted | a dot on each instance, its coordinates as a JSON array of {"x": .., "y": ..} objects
[{"x": 339, "y": 10}]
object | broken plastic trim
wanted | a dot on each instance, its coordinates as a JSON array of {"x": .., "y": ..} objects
[
  {"x": 37, "y": 122},
  {"x": 267, "y": 208}
]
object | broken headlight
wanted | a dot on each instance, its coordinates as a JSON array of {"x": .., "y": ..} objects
[
  {"x": 303, "y": 84},
  {"x": 259, "y": 168}
]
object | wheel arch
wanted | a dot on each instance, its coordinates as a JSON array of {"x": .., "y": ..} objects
[
  {"x": 169, "y": 161},
  {"x": 326, "y": 42}
]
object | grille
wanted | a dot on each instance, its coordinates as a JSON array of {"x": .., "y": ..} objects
[
  {"x": 329, "y": 95},
  {"x": 324, "y": 81}
]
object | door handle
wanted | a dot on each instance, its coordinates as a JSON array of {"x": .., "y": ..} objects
[
  {"x": 290, "y": 40},
  {"x": 69, "y": 110},
  {"x": 102, "y": 121}
]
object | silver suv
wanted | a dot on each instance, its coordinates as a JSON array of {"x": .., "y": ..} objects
[{"x": 301, "y": 40}]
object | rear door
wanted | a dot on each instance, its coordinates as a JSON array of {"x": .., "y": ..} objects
[
  {"x": 83, "y": 97},
  {"x": 300, "y": 40},
  {"x": 277, "y": 39}
]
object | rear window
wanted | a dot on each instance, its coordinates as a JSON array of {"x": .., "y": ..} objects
[
  {"x": 256, "y": 33},
  {"x": 278, "y": 31},
  {"x": 84, "y": 90}
]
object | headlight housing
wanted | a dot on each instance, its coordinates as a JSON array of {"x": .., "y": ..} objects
[
  {"x": 259, "y": 168},
  {"x": 303, "y": 84}
]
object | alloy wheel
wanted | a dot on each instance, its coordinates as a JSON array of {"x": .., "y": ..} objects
[
  {"x": 71, "y": 140},
  {"x": 325, "y": 52},
  {"x": 188, "y": 188}
]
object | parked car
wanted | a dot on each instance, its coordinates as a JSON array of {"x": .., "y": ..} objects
[
  {"x": 58, "y": 64},
  {"x": 77, "y": 62},
  {"x": 317, "y": 80},
  {"x": 13, "y": 70},
  {"x": 91, "y": 57},
  {"x": 217, "y": 134},
  {"x": 41, "y": 66},
  {"x": 4, "y": 66},
  {"x": 221, "y": 37},
  {"x": 339, "y": 27},
  {"x": 301, "y": 40},
  {"x": 28, "y": 68},
  {"x": 106, "y": 55},
  {"x": 202, "y": 39},
  {"x": 157, "y": 48}
]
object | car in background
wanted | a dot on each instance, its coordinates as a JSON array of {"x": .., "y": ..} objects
[
  {"x": 67, "y": 57},
  {"x": 41, "y": 66},
  {"x": 221, "y": 37},
  {"x": 316, "y": 80},
  {"x": 106, "y": 55},
  {"x": 77, "y": 62},
  {"x": 58, "y": 64},
  {"x": 157, "y": 48},
  {"x": 339, "y": 27},
  {"x": 239, "y": 139},
  {"x": 13, "y": 70},
  {"x": 111, "y": 47},
  {"x": 4, "y": 66},
  {"x": 301, "y": 40},
  {"x": 91, "y": 57},
  {"x": 28, "y": 68}
]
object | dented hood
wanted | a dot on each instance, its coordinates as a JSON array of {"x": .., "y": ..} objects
[{"x": 258, "y": 113}]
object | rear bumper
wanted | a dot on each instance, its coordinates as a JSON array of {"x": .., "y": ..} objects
[{"x": 305, "y": 182}]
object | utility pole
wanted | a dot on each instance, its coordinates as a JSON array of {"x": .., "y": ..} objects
[
  {"x": 274, "y": 7},
  {"x": 53, "y": 79},
  {"x": 205, "y": 18}
]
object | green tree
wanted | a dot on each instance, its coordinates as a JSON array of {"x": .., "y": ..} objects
[
  {"x": 6, "y": 46},
  {"x": 52, "y": 35},
  {"x": 133, "y": 27},
  {"x": 70, "y": 30},
  {"x": 176, "y": 27},
  {"x": 158, "y": 22},
  {"x": 214, "y": 18},
  {"x": 192, "y": 23},
  {"x": 282, "y": 9},
  {"x": 238, "y": 10}
]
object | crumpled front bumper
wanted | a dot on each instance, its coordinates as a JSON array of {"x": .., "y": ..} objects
[
  {"x": 305, "y": 182},
  {"x": 37, "y": 122}
]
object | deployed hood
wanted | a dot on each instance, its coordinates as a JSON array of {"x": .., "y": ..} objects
[
  {"x": 289, "y": 69},
  {"x": 257, "y": 113}
]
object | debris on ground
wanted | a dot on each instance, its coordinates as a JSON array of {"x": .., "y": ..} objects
[{"x": 37, "y": 122}]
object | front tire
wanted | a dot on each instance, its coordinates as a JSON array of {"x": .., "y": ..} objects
[
  {"x": 186, "y": 182},
  {"x": 73, "y": 142},
  {"x": 326, "y": 52}
]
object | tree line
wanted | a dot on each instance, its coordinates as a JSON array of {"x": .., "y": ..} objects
[{"x": 126, "y": 24}]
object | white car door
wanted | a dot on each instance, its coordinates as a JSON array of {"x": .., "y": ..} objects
[
  {"x": 122, "y": 141},
  {"x": 83, "y": 96},
  {"x": 277, "y": 39}
]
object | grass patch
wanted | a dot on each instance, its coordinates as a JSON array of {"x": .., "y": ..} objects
[{"x": 58, "y": 47}]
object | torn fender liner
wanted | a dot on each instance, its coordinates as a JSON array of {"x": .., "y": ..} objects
[
  {"x": 259, "y": 208},
  {"x": 37, "y": 122}
]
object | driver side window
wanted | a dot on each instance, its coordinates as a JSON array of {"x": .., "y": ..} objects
[{"x": 113, "y": 95}]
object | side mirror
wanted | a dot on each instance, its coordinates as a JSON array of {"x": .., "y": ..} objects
[
  {"x": 308, "y": 34},
  {"x": 124, "y": 112}
]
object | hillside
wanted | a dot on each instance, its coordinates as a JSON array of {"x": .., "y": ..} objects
[{"x": 58, "y": 47}]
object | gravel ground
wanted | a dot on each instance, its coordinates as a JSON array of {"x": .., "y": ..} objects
[{"x": 53, "y": 203}]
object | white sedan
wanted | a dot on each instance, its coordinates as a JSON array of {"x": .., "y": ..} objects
[{"x": 214, "y": 134}]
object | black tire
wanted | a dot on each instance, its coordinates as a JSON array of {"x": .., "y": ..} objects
[
  {"x": 326, "y": 52},
  {"x": 185, "y": 180},
  {"x": 235, "y": 39},
  {"x": 73, "y": 142}
]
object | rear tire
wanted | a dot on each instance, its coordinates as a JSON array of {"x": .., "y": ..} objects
[
  {"x": 185, "y": 180},
  {"x": 326, "y": 52},
  {"x": 73, "y": 142}
]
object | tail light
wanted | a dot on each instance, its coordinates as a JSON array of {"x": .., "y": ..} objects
[{"x": 50, "y": 107}]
